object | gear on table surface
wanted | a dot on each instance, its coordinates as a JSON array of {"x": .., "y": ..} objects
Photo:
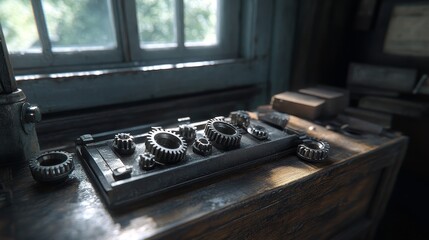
[
  {"x": 166, "y": 146},
  {"x": 187, "y": 132},
  {"x": 147, "y": 161},
  {"x": 258, "y": 132},
  {"x": 51, "y": 166},
  {"x": 223, "y": 135},
  {"x": 124, "y": 144},
  {"x": 202, "y": 146},
  {"x": 240, "y": 118},
  {"x": 162, "y": 160},
  {"x": 313, "y": 150}
]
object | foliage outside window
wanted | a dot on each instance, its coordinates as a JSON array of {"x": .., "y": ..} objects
[{"x": 88, "y": 25}]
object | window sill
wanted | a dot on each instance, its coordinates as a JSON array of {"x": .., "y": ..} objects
[
  {"x": 118, "y": 69},
  {"x": 86, "y": 89}
]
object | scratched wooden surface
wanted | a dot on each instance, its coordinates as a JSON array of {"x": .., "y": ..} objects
[{"x": 343, "y": 198}]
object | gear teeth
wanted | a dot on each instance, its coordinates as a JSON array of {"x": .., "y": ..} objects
[
  {"x": 147, "y": 161},
  {"x": 222, "y": 134},
  {"x": 187, "y": 132},
  {"x": 51, "y": 166},
  {"x": 124, "y": 144},
  {"x": 202, "y": 146},
  {"x": 165, "y": 153},
  {"x": 313, "y": 150},
  {"x": 258, "y": 132},
  {"x": 240, "y": 118}
]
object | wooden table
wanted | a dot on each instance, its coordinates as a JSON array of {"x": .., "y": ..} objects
[{"x": 343, "y": 199}]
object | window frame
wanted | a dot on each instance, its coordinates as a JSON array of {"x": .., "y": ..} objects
[
  {"x": 135, "y": 81},
  {"x": 227, "y": 46},
  {"x": 124, "y": 19},
  {"x": 52, "y": 60}
]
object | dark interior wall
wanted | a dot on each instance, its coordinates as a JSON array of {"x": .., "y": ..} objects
[
  {"x": 321, "y": 51},
  {"x": 328, "y": 38},
  {"x": 367, "y": 46},
  {"x": 330, "y": 34}
]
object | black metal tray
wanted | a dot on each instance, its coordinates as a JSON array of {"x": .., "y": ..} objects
[{"x": 101, "y": 161}]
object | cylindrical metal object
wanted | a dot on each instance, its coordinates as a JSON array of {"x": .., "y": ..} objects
[
  {"x": 18, "y": 138},
  {"x": 7, "y": 79}
]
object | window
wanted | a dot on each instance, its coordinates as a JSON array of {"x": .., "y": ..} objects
[
  {"x": 70, "y": 54},
  {"x": 183, "y": 29},
  {"x": 69, "y": 32}
]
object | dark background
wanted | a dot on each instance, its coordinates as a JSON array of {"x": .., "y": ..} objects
[{"x": 329, "y": 38}]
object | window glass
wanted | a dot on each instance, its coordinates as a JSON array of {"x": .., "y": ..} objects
[
  {"x": 156, "y": 24},
  {"x": 201, "y": 22},
  {"x": 79, "y": 25},
  {"x": 19, "y": 27}
]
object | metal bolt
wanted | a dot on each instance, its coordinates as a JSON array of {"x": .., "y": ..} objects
[{"x": 32, "y": 114}]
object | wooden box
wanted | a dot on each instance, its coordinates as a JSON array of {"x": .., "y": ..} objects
[{"x": 343, "y": 198}]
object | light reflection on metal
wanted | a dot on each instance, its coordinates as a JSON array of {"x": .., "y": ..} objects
[{"x": 124, "y": 70}]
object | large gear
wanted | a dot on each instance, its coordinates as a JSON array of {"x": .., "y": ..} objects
[
  {"x": 313, "y": 150},
  {"x": 223, "y": 135},
  {"x": 124, "y": 144},
  {"x": 51, "y": 166},
  {"x": 166, "y": 146},
  {"x": 240, "y": 118},
  {"x": 187, "y": 132}
]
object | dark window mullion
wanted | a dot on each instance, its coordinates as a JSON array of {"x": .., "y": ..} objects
[
  {"x": 180, "y": 23},
  {"x": 42, "y": 29},
  {"x": 131, "y": 28},
  {"x": 122, "y": 36}
]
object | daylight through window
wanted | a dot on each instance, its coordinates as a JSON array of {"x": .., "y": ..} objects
[{"x": 69, "y": 31}]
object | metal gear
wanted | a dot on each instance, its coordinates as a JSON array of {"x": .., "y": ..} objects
[
  {"x": 187, "y": 132},
  {"x": 51, "y": 166},
  {"x": 258, "y": 132},
  {"x": 223, "y": 135},
  {"x": 240, "y": 118},
  {"x": 124, "y": 144},
  {"x": 147, "y": 161},
  {"x": 202, "y": 146},
  {"x": 313, "y": 150},
  {"x": 167, "y": 146}
]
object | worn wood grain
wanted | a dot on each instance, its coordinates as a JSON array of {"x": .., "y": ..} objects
[{"x": 277, "y": 200}]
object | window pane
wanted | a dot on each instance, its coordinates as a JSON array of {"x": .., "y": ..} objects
[
  {"x": 19, "y": 27},
  {"x": 200, "y": 22},
  {"x": 156, "y": 23},
  {"x": 79, "y": 25}
]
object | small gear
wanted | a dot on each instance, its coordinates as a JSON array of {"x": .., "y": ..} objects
[
  {"x": 240, "y": 118},
  {"x": 313, "y": 150},
  {"x": 54, "y": 166},
  {"x": 187, "y": 132},
  {"x": 167, "y": 146},
  {"x": 223, "y": 135},
  {"x": 258, "y": 132},
  {"x": 147, "y": 161},
  {"x": 202, "y": 146},
  {"x": 124, "y": 144}
]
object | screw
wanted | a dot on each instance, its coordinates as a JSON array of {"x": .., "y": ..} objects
[{"x": 32, "y": 114}]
